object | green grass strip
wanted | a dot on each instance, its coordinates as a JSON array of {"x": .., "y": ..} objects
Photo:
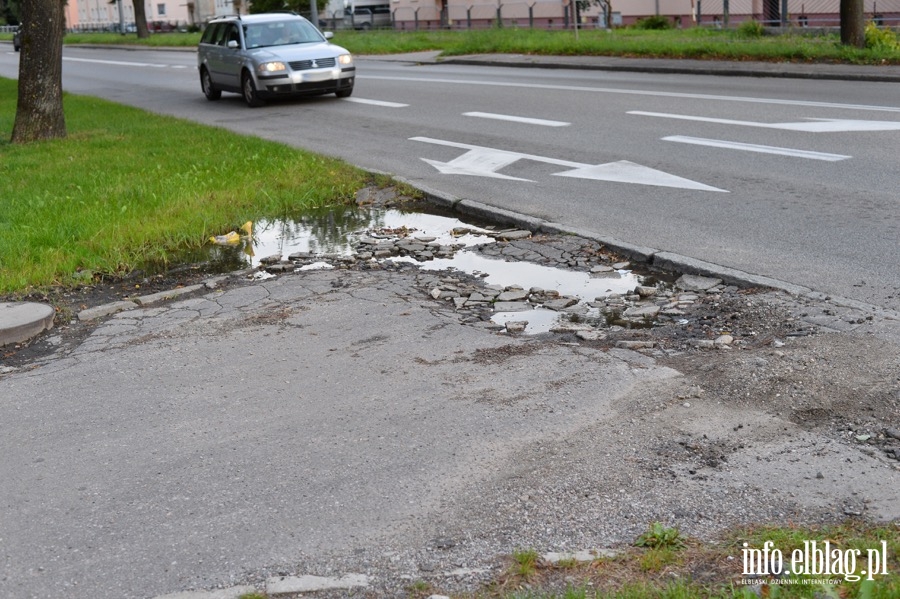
[
  {"x": 696, "y": 42},
  {"x": 128, "y": 187}
]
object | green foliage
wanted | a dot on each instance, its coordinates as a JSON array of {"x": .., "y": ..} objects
[
  {"x": 751, "y": 29},
  {"x": 128, "y": 187},
  {"x": 653, "y": 22},
  {"x": 660, "y": 537},
  {"x": 671, "y": 590},
  {"x": 525, "y": 562},
  {"x": 568, "y": 563},
  {"x": 655, "y": 560},
  {"x": 252, "y": 596},
  {"x": 419, "y": 589},
  {"x": 664, "y": 573},
  {"x": 881, "y": 39},
  {"x": 156, "y": 40}
]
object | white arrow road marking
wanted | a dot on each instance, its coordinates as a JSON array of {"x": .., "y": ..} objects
[
  {"x": 810, "y": 126},
  {"x": 517, "y": 119},
  {"x": 483, "y": 162},
  {"x": 479, "y": 162},
  {"x": 734, "y": 145},
  {"x": 624, "y": 171},
  {"x": 376, "y": 102}
]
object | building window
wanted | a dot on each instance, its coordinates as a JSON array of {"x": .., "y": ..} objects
[{"x": 161, "y": 10}]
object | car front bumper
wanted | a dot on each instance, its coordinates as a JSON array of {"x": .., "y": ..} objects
[{"x": 309, "y": 82}]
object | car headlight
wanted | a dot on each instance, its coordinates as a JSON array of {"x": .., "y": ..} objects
[
  {"x": 271, "y": 67},
  {"x": 345, "y": 59}
]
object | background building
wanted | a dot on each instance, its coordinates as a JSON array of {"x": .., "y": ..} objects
[{"x": 162, "y": 15}]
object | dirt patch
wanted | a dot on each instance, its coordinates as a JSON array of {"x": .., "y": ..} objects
[
  {"x": 498, "y": 355},
  {"x": 843, "y": 383}
]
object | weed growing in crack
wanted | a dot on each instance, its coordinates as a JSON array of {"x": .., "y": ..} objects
[
  {"x": 419, "y": 588},
  {"x": 661, "y": 537},
  {"x": 525, "y": 562}
]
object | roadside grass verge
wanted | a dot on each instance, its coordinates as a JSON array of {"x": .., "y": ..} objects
[
  {"x": 696, "y": 43},
  {"x": 156, "y": 40},
  {"x": 129, "y": 188},
  {"x": 698, "y": 570}
]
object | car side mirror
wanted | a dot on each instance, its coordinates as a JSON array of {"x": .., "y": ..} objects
[
  {"x": 328, "y": 35},
  {"x": 233, "y": 45}
]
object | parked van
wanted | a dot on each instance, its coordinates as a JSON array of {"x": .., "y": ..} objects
[{"x": 367, "y": 14}]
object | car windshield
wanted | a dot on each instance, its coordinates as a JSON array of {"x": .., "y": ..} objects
[{"x": 280, "y": 33}]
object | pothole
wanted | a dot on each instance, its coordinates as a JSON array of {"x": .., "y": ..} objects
[{"x": 527, "y": 284}]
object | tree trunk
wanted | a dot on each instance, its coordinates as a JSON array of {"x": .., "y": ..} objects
[
  {"x": 853, "y": 32},
  {"x": 39, "y": 112},
  {"x": 140, "y": 19}
]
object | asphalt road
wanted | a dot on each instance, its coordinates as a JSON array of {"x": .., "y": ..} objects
[{"x": 768, "y": 176}]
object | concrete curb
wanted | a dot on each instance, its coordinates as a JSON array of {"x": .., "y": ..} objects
[
  {"x": 663, "y": 66},
  {"x": 20, "y": 321},
  {"x": 153, "y": 298},
  {"x": 283, "y": 585},
  {"x": 105, "y": 310},
  {"x": 497, "y": 215},
  {"x": 635, "y": 252},
  {"x": 732, "y": 276}
]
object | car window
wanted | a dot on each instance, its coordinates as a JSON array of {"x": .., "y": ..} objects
[
  {"x": 210, "y": 34},
  {"x": 254, "y": 36},
  {"x": 281, "y": 33},
  {"x": 231, "y": 35},
  {"x": 220, "y": 33}
]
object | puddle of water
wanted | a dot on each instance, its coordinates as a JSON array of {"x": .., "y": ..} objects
[
  {"x": 540, "y": 320},
  {"x": 572, "y": 283},
  {"x": 526, "y": 274},
  {"x": 335, "y": 232}
]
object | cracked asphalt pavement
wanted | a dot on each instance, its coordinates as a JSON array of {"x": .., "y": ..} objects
[{"x": 344, "y": 421}]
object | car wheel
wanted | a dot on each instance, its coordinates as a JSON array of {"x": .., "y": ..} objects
[
  {"x": 344, "y": 93},
  {"x": 209, "y": 90},
  {"x": 248, "y": 89}
]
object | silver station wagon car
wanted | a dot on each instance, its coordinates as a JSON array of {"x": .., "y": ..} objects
[{"x": 270, "y": 55}]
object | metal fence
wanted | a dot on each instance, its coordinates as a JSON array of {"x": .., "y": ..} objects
[
  {"x": 110, "y": 26},
  {"x": 534, "y": 14},
  {"x": 797, "y": 13}
]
